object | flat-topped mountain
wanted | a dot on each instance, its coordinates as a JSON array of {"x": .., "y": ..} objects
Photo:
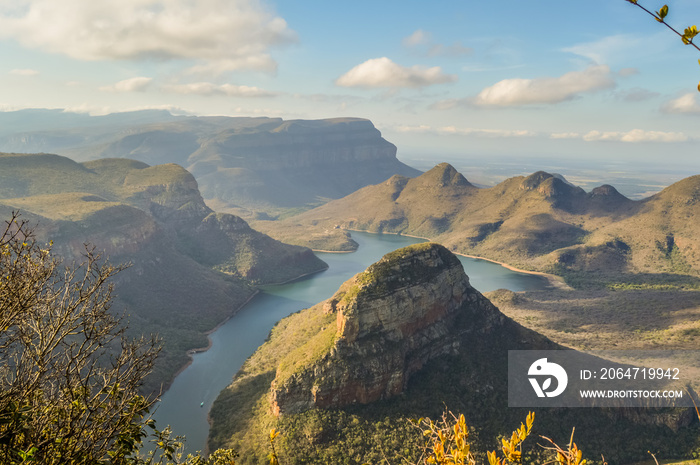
[
  {"x": 537, "y": 222},
  {"x": 406, "y": 338},
  {"x": 243, "y": 165},
  {"x": 190, "y": 269}
]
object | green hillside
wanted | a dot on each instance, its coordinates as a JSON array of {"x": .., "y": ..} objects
[{"x": 190, "y": 268}]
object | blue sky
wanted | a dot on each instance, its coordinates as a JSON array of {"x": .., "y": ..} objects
[{"x": 593, "y": 79}]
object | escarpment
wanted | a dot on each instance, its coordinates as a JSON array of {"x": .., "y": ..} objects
[
  {"x": 382, "y": 326},
  {"x": 250, "y": 166}
]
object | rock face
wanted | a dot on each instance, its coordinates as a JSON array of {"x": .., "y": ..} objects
[
  {"x": 410, "y": 329},
  {"x": 285, "y": 164},
  {"x": 391, "y": 320}
]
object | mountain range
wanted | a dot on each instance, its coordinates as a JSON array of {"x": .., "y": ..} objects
[
  {"x": 191, "y": 268},
  {"x": 536, "y": 222},
  {"x": 254, "y": 167}
]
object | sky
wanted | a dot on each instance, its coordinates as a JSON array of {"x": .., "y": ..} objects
[{"x": 590, "y": 79}]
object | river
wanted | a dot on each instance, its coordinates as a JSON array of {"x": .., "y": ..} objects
[{"x": 237, "y": 339}]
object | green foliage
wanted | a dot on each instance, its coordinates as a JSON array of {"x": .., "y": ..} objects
[
  {"x": 513, "y": 449},
  {"x": 69, "y": 380},
  {"x": 381, "y": 277},
  {"x": 343, "y": 437},
  {"x": 448, "y": 441},
  {"x": 526, "y": 228},
  {"x": 69, "y": 377},
  {"x": 154, "y": 218},
  {"x": 689, "y": 34},
  {"x": 309, "y": 353},
  {"x": 470, "y": 382}
]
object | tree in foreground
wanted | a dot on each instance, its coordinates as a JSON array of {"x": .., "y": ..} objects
[{"x": 69, "y": 378}]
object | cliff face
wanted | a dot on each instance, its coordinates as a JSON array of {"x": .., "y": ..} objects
[
  {"x": 293, "y": 163},
  {"x": 298, "y": 144},
  {"x": 242, "y": 165},
  {"x": 390, "y": 320},
  {"x": 123, "y": 207}
]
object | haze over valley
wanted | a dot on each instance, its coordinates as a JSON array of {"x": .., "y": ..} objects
[{"x": 349, "y": 233}]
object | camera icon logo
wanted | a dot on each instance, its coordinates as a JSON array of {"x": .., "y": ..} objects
[{"x": 542, "y": 369}]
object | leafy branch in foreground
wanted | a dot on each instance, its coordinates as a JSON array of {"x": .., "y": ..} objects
[
  {"x": 69, "y": 378},
  {"x": 688, "y": 34},
  {"x": 448, "y": 444}
]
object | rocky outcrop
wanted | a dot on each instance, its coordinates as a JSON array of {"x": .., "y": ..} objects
[{"x": 391, "y": 320}]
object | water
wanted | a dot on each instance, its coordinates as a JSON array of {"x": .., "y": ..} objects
[{"x": 235, "y": 341}]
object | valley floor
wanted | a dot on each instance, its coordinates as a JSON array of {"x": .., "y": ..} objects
[{"x": 606, "y": 319}]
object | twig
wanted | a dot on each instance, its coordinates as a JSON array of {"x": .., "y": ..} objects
[{"x": 661, "y": 20}]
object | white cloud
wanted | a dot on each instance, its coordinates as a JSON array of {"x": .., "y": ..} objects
[
  {"x": 208, "y": 88},
  {"x": 455, "y": 49},
  {"x": 623, "y": 48},
  {"x": 382, "y": 72},
  {"x": 24, "y": 72},
  {"x": 238, "y": 32},
  {"x": 5, "y": 107},
  {"x": 137, "y": 84},
  {"x": 625, "y": 72},
  {"x": 564, "y": 135},
  {"x": 94, "y": 110},
  {"x": 261, "y": 62},
  {"x": 547, "y": 90},
  {"x": 265, "y": 112},
  {"x": 604, "y": 50},
  {"x": 422, "y": 42},
  {"x": 419, "y": 37},
  {"x": 636, "y": 135},
  {"x": 453, "y": 130},
  {"x": 449, "y": 104},
  {"x": 172, "y": 109},
  {"x": 90, "y": 109},
  {"x": 688, "y": 103},
  {"x": 636, "y": 95}
]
